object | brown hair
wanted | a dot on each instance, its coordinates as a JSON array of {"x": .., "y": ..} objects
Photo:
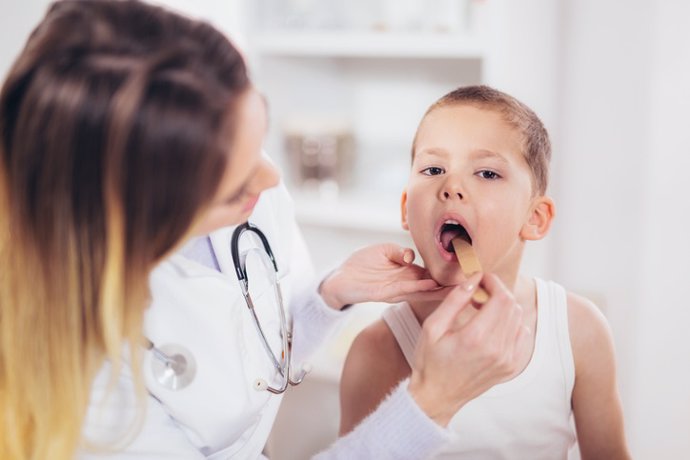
[
  {"x": 537, "y": 146},
  {"x": 115, "y": 127}
]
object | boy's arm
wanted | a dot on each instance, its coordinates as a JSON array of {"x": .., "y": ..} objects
[
  {"x": 373, "y": 367},
  {"x": 596, "y": 403}
]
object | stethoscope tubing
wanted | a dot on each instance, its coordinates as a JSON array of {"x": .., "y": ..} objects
[{"x": 179, "y": 368}]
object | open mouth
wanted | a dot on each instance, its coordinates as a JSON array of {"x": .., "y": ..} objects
[{"x": 450, "y": 230}]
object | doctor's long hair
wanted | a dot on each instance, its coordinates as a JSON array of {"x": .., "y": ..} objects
[{"x": 116, "y": 121}]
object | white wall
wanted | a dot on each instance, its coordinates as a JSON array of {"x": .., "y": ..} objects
[
  {"x": 623, "y": 204},
  {"x": 604, "y": 127},
  {"x": 660, "y": 404}
]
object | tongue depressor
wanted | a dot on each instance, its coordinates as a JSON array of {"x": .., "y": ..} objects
[{"x": 469, "y": 265}]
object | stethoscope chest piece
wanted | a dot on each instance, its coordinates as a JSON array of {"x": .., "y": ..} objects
[{"x": 175, "y": 369}]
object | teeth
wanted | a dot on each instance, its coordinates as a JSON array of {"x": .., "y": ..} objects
[{"x": 450, "y": 221}]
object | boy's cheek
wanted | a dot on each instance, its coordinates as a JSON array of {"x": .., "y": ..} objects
[
  {"x": 426, "y": 248},
  {"x": 417, "y": 203}
]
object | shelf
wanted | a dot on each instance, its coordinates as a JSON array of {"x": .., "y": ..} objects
[
  {"x": 349, "y": 212},
  {"x": 368, "y": 45}
]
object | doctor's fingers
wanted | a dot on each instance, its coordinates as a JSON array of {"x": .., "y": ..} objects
[
  {"x": 501, "y": 305},
  {"x": 523, "y": 334},
  {"x": 406, "y": 289},
  {"x": 410, "y": 272},
  {"x": 498, "y": 325},
  {"x": 443, "y": 319},
  {"x": 433, "y": 295},
  {"x": 508, "y": 354},
  {"x": 398, "y": 254}
]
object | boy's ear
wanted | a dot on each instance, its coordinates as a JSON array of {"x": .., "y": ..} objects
[
  {"x": 542, "y": 212},
  {"x": 403, "y": 210}
]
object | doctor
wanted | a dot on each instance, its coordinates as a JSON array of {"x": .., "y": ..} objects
[{"x": 131, "y": 146}]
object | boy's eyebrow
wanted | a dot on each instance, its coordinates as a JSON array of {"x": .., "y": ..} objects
[
  {"x": 478, "y": 154},
  {"x": 482, "y": 153},
  {"x": 434, "y": 151}
]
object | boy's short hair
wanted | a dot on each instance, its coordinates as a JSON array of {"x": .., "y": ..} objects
[{"x": 536, "y": 147}]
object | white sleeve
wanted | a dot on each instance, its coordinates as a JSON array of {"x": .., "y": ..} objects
[
  {"x": 398, "y": 429},
  {"x": 111, "y": 419},
  {"x": 313, "y": 320}
]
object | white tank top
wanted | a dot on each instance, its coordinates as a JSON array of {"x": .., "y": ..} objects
[{"x": 528, "y": 417}]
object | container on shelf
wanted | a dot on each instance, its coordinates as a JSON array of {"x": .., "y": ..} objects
[{"x": 320, "y": 153}]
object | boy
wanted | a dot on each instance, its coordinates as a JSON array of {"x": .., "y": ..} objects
[{"x": 479, "y": 171}]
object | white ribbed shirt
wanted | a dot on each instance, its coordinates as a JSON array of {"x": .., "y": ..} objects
[{"x": 528, "y": 417}]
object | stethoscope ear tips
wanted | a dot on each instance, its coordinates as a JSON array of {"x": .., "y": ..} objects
[{"x": 260, "y": 385}]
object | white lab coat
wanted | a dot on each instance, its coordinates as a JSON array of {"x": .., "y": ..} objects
[{"x": 219, "y": 415}]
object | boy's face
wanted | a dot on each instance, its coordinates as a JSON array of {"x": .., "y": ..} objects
[{"x": 469, "y": 169}]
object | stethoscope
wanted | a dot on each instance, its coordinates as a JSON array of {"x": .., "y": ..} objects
[{"x": 174, "y": 367}]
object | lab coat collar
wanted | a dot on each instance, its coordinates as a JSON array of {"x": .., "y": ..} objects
[{"x": 220, "y": 242}]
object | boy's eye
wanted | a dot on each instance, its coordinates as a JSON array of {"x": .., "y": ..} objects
[
  {"x": 432, "y": 171},
  {"x": 486, "y": 174}
]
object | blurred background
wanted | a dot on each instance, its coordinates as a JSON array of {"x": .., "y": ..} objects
[{"x": 347, "y": 83}]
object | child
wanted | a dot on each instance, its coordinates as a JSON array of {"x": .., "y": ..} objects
[{"x": 479, "y": 171}]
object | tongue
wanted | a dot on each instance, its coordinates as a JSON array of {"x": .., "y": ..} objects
[{"x": 447, "y": 236}]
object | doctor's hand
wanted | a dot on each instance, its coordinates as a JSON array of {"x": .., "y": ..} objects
[
  {"x": 379, "y": 273},
  {"x": 463, "y": 351}
]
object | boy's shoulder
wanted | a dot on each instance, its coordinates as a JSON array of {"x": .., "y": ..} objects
[
  {"x": 375, "y": 358},
  {"x": 376, "y": 346},
  {"x": 583, "y": 314},
  {"x": 374, "y": 365},
  {"x": 595, "y": 400},
  {"x": 589, "y": 330}
]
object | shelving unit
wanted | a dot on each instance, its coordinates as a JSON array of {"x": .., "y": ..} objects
[
  {"x": 349, "y": 213},
  {"x": 382, "y": 82},
  {"x": 369, "y": 45}
]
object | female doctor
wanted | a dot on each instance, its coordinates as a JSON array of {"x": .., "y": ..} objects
[{"x": 130, "y": 152}]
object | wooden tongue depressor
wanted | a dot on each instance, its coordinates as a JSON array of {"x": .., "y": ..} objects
[{"x": 469, "y": 265}]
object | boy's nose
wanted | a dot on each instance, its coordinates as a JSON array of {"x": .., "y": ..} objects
[
  {"x": 447, "y": 194},
  {"x": 451, "y": 191}
]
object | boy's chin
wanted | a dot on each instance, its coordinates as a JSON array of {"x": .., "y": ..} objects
[{"x": 447, "y": 277}]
